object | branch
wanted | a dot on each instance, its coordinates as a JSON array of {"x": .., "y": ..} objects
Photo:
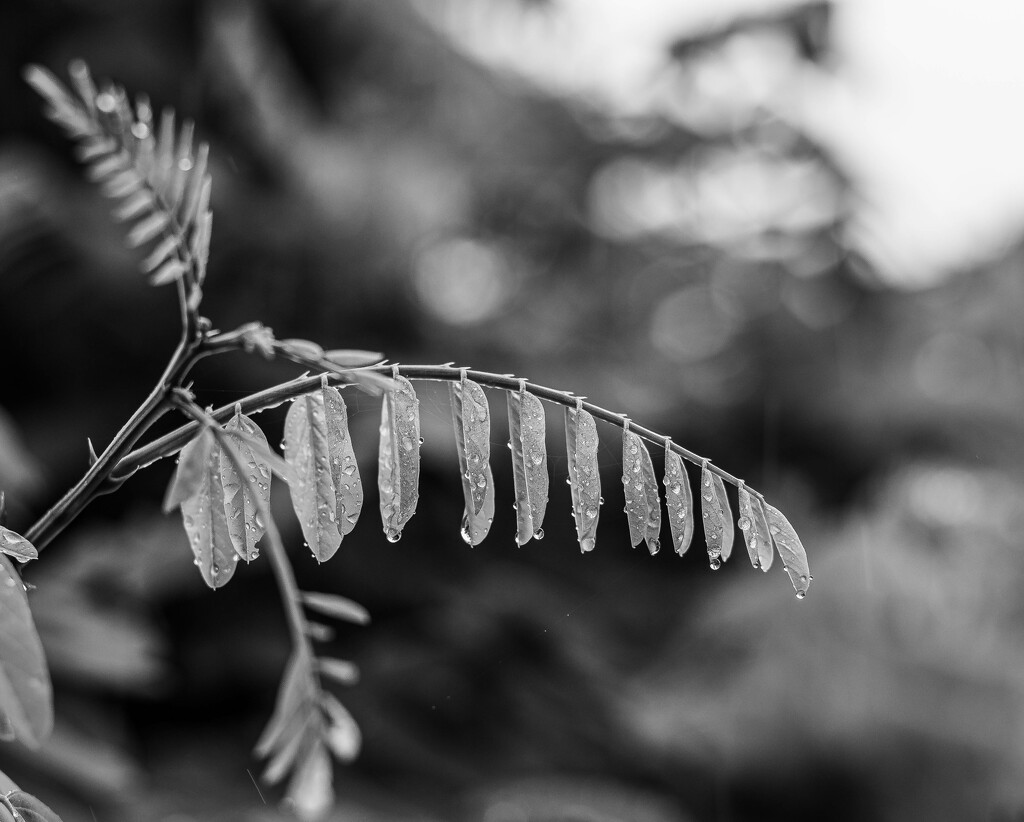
[{"x": 277, "y": 395}]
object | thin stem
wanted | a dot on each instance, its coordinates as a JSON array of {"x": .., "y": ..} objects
[
  {"x": 283, "y": 574},
  {"x": 104, "y": 470},
  {"x": 281, "y": 393}
]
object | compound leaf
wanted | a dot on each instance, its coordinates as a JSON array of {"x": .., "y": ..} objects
[
  {"x": 718, "y": 527},
  {"x": 398, "y": 467},
  {"x": 343, "y": 736},
  {"x": 245, "y": 521},
  {"x": 26, "y": 697},
  {"x": 679, "y": 501},
  {"x": 794, "y": 557},
  {"x": 529, "y": 462},
  {"x": 310, "y": 793},
  {"x": 188, "y": 478},
  {"x": 472, "y": 419},
  {"x": 584, "y": 478},
  {"x": 754, "y": 526},
  {"x": 643, "y": 505}
]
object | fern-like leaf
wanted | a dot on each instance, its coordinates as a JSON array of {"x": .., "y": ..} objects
[
  {"x": 754, "y": 526},
  {"x": 643, "y": 505},
  {"x": 398, "y": 467},
  {"x": 794, "y": 557},
  {"x": 159, "y": 177},
  {"x": 679, "y": 501},
  {"x": 529, "y": 463},
  {"x": 584, "y": 478},
  {"x": 718, "y": 527},
  {"x": 472, "y": 420}
]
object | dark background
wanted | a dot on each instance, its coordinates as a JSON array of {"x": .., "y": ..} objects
[{"x": 375, "y": 187}]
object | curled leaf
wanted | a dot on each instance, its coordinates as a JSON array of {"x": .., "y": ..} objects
[
  {"x": 15, "y": 545},
  {"x": 643, "y": 505},
  {"x": 718, "y": 527},
  {"x": 791, "y": 550},
  {"x": 584, "y": 477},
  {"x": 398, "y": 467},
  {"x": 679, "y": 501},
  {"x": 754, "y": 526},
  {"x": 529, "y": 462},
  {"x": 244, "y": 518},
  {"x": 472, "y": 419}
]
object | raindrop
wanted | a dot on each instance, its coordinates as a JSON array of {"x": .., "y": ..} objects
[
  {"x": 393, "y": 535},
  {"x": 716, "y": 563},
  {"x": 591, "y": 513},
  {"x": 348, "y": 470},
  {"x": 676, "y": 488},
  {"x": 744, "y": 524},
  {"x": 407, "y": 443},
  {"x": 536, "y": 459},
  {"x": 801, "y": 594},
  {"x": 464, "y": 531},
  {"x": 587, "y": 544},
  {"x": 654, "y": 546},
  {"x": 538, "y": 534}
]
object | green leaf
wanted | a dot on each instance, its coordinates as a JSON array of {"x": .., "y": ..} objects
[
  {"x": 15, "y": 545},
  {"x": 353, "y": 357},
  {"x": 336, "y": 606},
  {"x": 754, "y": 526},
  {"x": 244, "y": 519},
  {"x": 584, "y": 478},
  {"x": 310, "y": 793},
  {"x": 643, "y": 505},
  {"x": 679, "y": 501},
  {"x": 348, "y": 486},
  {"x": 718, "y": 527},
  {"x": 188, "y": 478},
  {"x": 31, "y": 809},
  {"x": 340, "y": 670},
  {"x": 326, "y": 492},
  {"x": 472, "y": 420},
  {"x": 343, "y": 736},
  {"x": 302, "y": 348},
  {"x": 294, "y": 697},
  {"x": 26, "y": 697},
  {"x": 398, "y": 465},
  {"x": 206, "y": 524},
  {"x": 527, "y": 441},
  {"x": 147, "y": 229},
  {"x": 794, "y": 557}
]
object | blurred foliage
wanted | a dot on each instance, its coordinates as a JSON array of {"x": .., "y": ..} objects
[{"x": 376, "y": 185}]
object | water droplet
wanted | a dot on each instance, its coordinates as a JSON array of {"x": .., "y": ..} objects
[
  {"x": 464, "y": 531},
  {"x": 252, "y": 478},
  {"x": 348, "y": 470},
  {"x": 753, "y": 542},
  {"x": 474, "y": 459},
  {"x": 481, "y": 481},
  {"x": 587, "y": 544},
  {"x": 676, "y": 488},
  {"x": 633, "y": 449},
  {"x": 636, "y": 467},
  {"x": 591, "y": 513},
  {"x": 708, "y": 497},
  {"x": 393, "y": 535},
  {"x": 407, "y": 443},
  {"x": 744, "y": 524},
  {"x": 538, "y": 534},
  {"x": 716, "y": 563},
  {"x": 536, "y": 459},
  {"x": 774, "y": 529},
  {"x": 654, "y": 546},
  {"x": 421, "y": 439},
  {"x": 801, "y": 594}
]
